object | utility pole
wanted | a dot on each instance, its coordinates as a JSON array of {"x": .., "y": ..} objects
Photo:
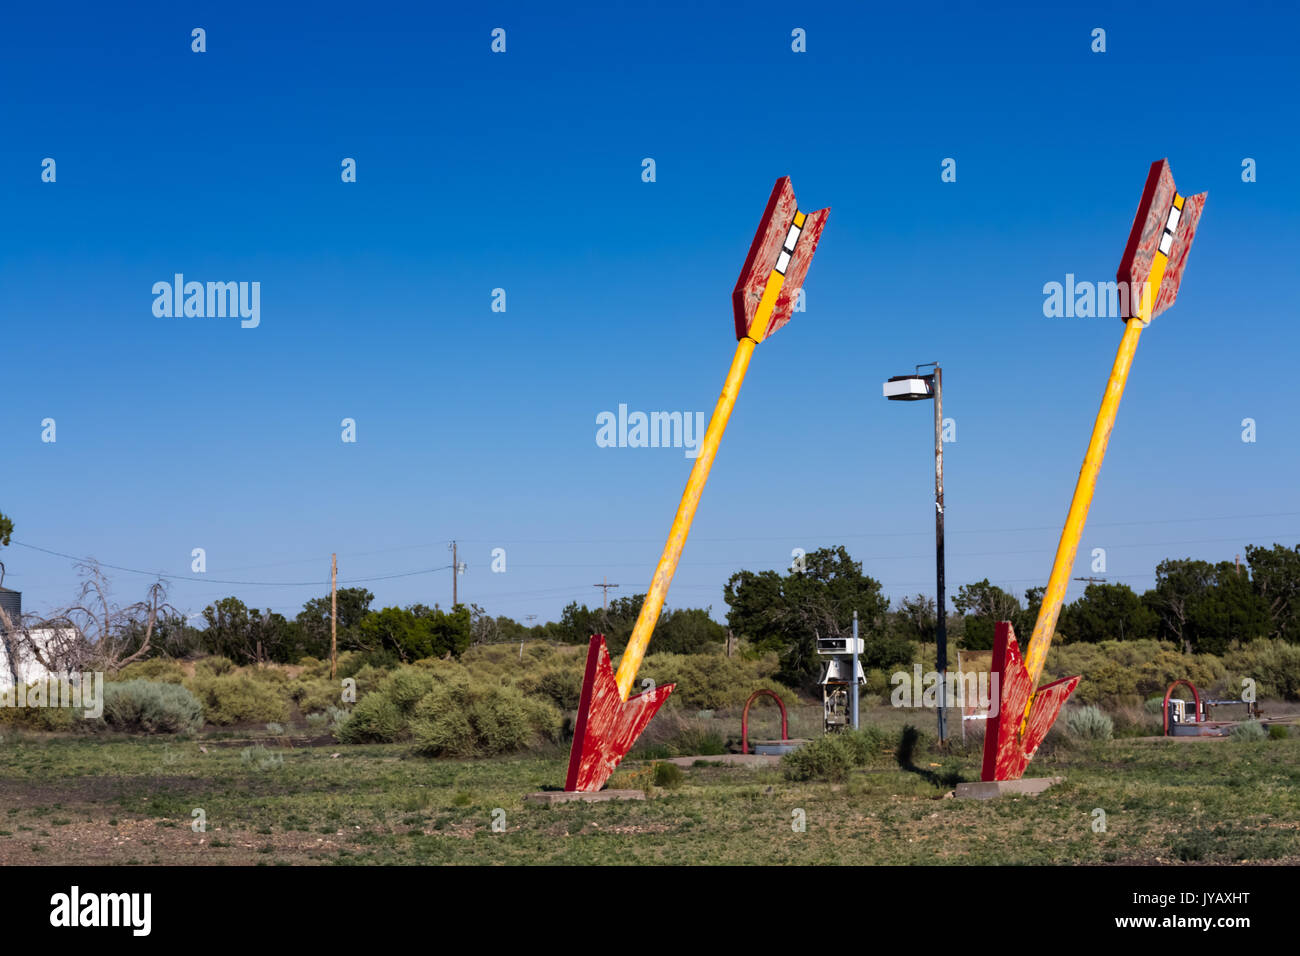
[
  {"x": 1092, "y": 580},
  {"x": 604, "y": 598},
  {"x": 334, "y": 615},
  {"x": 456, "y": 569}
]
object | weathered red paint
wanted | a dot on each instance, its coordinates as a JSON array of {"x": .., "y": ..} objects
[
  {"x": 763, "y": 253},
  {"x": 1006, "y": 751},
  {"x": 607, "y": 726},
  {"x": 744, "y": 717},
  {"x": 1144, "y": 239},
  {"x": 1169, "y": 693}
]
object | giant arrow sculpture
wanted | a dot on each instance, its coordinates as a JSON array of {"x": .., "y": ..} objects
[
  {"x": 1150, "y": 271},
  {"x": 608, "y": 720}
]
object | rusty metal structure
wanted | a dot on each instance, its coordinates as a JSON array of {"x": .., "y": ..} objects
[
  {"x": 744, "y": 717},
  {"x": 763, "y": 300},
  {"x": 1151, "y": 269}
]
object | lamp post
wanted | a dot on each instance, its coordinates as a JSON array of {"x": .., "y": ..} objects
[{"x": 914, "y": 388}]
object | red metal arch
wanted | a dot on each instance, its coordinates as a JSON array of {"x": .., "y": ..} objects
[
  {"x": 1169, "y": 693},
  {"x": 744, "y": 717}
]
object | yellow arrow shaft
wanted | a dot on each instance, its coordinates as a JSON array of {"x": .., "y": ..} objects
[
  {"x": 667, "y": 567},
  {"x": 1054, "y": 597}
]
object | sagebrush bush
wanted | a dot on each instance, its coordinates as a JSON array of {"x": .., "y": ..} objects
[
  {"x": 1249, "y": 731},
  {"x": 1089, "y": 723},
  {"x": 236, "y": 698},
  {"x": 151, "y": 707},
  {"x": 259, "y": 758}
]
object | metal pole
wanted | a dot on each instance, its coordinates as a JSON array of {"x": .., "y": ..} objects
[
  {"x": 853, "y": 675},
  {"x": 334, "y": 615},
  {"x": 941, "y": 600},
  {"x": 654, "y": 599}
]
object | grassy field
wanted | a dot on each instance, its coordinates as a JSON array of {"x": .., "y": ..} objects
[{"x": 118, "y": 800}]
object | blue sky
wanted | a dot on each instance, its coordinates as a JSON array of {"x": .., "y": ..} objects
[{"x": 522, "y": 171}]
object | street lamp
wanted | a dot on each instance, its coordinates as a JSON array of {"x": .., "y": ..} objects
[{"x": 914, "y": 388}]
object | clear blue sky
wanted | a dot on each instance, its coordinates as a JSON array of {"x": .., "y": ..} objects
[{"x": 523, "y": 171}]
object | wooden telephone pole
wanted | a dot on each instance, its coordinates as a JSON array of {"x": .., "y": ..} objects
[
  {"x": 334, "y": 615},
  {"x": 604, "y": 597}
]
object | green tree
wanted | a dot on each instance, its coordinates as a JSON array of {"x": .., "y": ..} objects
[
  {"x": 417, "y": 632},
  {"x": 982, "y": 605},
  {"x": 688, "y": 631},
  {"x": 1180, "y": 585},
  {"x": 314, "y": 622},
  {"x": 1108, "y": 612},
  {"x": 1275, "y": 574},
  {"x": 246, "y": 635},
  {"x": 1230, "y": 610},
  {"x": 915, "y": 619},
  {"x": 788, "y": 613}
]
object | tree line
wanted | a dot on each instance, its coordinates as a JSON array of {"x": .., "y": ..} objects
[{"x": 1199, "y": 606}]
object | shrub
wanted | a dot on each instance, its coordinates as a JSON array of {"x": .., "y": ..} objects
[
  {"x": 406, "y": 686},
  {"x": 1277, "y": 732},
  {"x": 236, "y": 698},
  {"x": 1113, "y": 669},
  {"x": 157, "y": 669},
  {"x": 826, "y": 758},
  {"x": 559, "y": 684},
  {"x": 375, "y": 719},
  {"x": 1249, "y": 731},
  {"x": 833, "y": 756},
  {"x": 1273, "y": 664},
  {"x": 712, "y": 681},
  {"x": 315, "y": 695},
  {"x": 258, "y": 757},
  {"x": 1089, "y": 723},
  {"x": 668, "y": 775},
  {"x": 214, "y": 667},
  {"x": 151, "y": 707},
  {"x": 461, "y": 718},
  {"x": 42, "y": 718}
]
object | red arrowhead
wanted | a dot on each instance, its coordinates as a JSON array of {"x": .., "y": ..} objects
[
  {"x": 765, "y": 255},
  {"x": 607, "y": 725},
  {"x": 1006, "y": 752},
  {"x": 1147, "y": 235}
]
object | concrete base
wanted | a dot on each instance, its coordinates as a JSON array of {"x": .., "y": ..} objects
[
  {"x": 768, "y": 748},
  {"x": 548, "y": 797},
  {"x": 740, "y": 760},
  {"x": 988, "y": 789}
]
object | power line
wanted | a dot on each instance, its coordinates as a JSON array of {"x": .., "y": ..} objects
[{"x": 206, "y": 580}]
